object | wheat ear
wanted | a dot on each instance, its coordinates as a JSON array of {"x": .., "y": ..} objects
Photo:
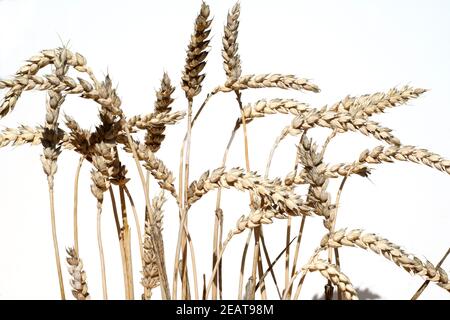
[
  {"x": 150, "y": 273},
  {"x": 231, "y": 59},
  {"x": 268, "y": 80},
  {"x": 370, "y": 104},
  {"x": 78, "y": 281},
  {"x": 405, "y": 153},
  {"x": 391, "y": 251},
  {"x": 196, "y": 54},
  {"x": 155, "y": 132},
  {"x": 341, "y": 122},
  {"x": 332, "y": 273}
]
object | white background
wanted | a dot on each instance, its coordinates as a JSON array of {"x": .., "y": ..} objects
[{"x": 346, "y": 47}]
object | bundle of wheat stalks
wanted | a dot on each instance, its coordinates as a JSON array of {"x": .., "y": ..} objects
[{"x": 116, "y": 134}]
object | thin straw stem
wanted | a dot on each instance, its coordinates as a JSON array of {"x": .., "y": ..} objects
[
  {"x": 138, "y": 225},
  {"x": 55, "y": 241},
  {"x": 75, "y": 206},
  {"x": 100, "y": 250},
  {"x": 242, "y": 268}
]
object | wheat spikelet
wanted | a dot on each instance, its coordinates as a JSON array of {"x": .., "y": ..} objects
[
  {"x": 150, "y": 272},
  {"x": 268, "y": 80},
  {"x": 331, "y": 272},
  {"x": 277, "y": 194},
  {"x": 390, "y": 251},
  {"x": 341, "y": 122},
  {"x": 231, "y": 59},
  {"x": 369, "y": 104},
  {"x": 196, "y": 54},
  {"x": 78, "y": 281}
]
